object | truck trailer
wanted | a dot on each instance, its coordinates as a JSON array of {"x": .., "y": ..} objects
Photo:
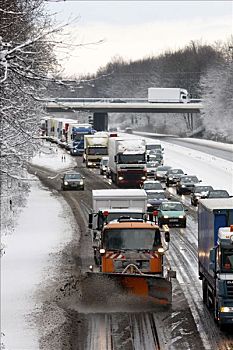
[
  {"x": 110, "y": 204},
  {"x": 95, "y": 147},
  {"x": 127, "y": 161},
  {"x": 215, "y": 256},
  {"x": 172, "y": 95}
]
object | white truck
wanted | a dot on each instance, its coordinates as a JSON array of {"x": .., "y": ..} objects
[
  {"x": 110, "y": 204},
  {"x": 95, "y": 147},
  {"x": 127, "y": 161},
  {"x": 172, "y": 95}
]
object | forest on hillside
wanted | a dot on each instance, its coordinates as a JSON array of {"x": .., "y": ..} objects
[{"x": 206, "y": 71}]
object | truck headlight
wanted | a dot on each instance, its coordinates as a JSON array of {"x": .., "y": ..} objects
[
  {"x": 66, "y": 183},
  {"x": 120, "y": 178},
  {"x": 226, "y": 309},
  {"x": 143, "y": 178},
  {"x": 161, "y": 250}
]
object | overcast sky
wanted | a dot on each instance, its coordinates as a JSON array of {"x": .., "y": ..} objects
[{"x": 136, "y": 29}]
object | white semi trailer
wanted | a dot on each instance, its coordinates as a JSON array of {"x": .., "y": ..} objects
[{"x": 172, "y": 95}]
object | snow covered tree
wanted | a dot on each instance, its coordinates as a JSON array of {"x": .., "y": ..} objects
[
  {"x": 217, "y": 92},
  {"x": 26, "y": 57}
]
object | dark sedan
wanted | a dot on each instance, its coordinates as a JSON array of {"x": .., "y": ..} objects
[
  {"x": 173, "y": 175},
  {"x": 154, "y": 200},
  {"x": 186, "y": 184},
  {"x": 72, "y": 181},
  {"x": 161, "y": 172}
]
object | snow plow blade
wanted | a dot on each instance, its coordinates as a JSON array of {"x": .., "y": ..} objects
[{"x": 156, "y": 289}]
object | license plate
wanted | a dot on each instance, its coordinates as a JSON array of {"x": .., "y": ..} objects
[{"x": 173, "y": 220}]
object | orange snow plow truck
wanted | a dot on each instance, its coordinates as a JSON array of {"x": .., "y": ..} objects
[{"x": 130, "y": 252}]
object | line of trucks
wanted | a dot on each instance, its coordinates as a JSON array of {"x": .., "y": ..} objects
[
  {"x": 127, "y": 157},
  {"x": 131, "y": 250}
]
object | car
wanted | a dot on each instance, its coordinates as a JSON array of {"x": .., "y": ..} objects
[
  {"x": 155, "y": 158},
  {"x": 173, "y": 175},
  {"x": 161, "y": 172},
  {"x": 218, "y": 194},
  {"x": 154, "y": 199},
  {"x": 186, "y": 184},
  {"x": 198, "y": 192},
  {"x": 172, "y": 213},
  {"x": 151, "y": 186},
  {"x": 104, "y": 165},
  {"x": 152, "y": 146},
  {"x": 72, "y": 181},
  {"x": 129, "y": 130},
  {"x": 151, "y": 169}
]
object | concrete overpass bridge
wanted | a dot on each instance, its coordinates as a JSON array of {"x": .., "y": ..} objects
[
  {"x": 100, "y": 107},
  {"x": 119, "y": 105}
]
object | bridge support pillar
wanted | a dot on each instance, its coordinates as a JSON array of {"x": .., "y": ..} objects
[{"x": 100, "y": 121}]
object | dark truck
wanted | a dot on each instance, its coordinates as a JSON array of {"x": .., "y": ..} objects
[{"x": 215, "y": 256}]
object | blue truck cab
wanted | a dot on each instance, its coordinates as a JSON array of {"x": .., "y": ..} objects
[
  {"x": 215, "y": 256},
  {"x": 77, "y": 136}
]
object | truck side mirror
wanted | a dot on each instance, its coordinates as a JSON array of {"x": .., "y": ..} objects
[
  {"x": 90, "y": 220},
  {"x": 212, "y": 266},
  {"x": 167, "y": 237},
  {"x": 212, "y": 255}
]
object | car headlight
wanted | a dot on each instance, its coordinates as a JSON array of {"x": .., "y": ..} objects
[
  {"x": 74, "y": 150},
  {"x": 181, "y": 217},
  {"x": 226, "y": 309},
  {"x": 89, "y": 163},
  {"x": 149, "y": 205},
  {"x": 165, "y": 216},
  {"x": 81, "y": 182},
  {"x": 120, "y": 178},
  {"x": 66, "y": 183},
  {"x": 183, "y": 186},
  {"x": 170, "y": 178},
  {"x": 143, "y": 178}
]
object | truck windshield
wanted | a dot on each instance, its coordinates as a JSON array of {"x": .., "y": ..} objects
[
  {"x": 97, "y": 150},
  {"x": 227, "y": 260},
  {"x": 131, "y": 158},
  {"x": 150, "y": 147},
  {"x": 129, "y": 239}
]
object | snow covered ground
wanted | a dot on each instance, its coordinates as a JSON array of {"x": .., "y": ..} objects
[
  {"x": 43, "y": 229},
  {"x": 54, "y": 157}
]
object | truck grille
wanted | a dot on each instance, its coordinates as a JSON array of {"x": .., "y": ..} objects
[
  {"x": 134, "y": 176},
  {"x": 230, "y": 289}
]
